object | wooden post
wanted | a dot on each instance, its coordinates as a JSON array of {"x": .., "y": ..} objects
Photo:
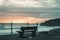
[
  {"x": 37, "y": 24},
  {"x": 11, "y": 28},
  {"x": 37, "y": 28},
  {"x": 27, "y": 24}
]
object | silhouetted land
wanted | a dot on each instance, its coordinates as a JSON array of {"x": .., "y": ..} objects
[{"x": 52, "y": 22}]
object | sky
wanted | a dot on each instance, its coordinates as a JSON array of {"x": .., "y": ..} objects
[{"x": 22, "y": 11}]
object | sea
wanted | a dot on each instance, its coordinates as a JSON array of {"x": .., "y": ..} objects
[{"x": 5, "y": 29}]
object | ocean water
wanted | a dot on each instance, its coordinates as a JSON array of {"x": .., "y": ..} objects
[{"x": 6, "y": 29}]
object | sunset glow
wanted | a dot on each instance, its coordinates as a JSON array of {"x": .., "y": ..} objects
[{"x": 21, "y": 19}]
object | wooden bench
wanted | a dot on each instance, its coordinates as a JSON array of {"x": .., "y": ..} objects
[{"x": 27, "y": 29}]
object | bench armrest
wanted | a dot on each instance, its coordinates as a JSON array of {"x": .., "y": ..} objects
[{"x": 19, "y": 31}]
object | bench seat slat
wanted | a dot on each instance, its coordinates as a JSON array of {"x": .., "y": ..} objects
[{"x": 28, "y": 28}]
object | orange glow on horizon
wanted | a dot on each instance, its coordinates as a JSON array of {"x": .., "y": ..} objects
[{"x": 21, "y": 19}]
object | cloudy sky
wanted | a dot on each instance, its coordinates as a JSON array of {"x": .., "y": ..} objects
[{"x": 29, "y": 10}]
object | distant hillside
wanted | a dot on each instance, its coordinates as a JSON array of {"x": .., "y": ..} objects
[{"x": 52, "y": 22}]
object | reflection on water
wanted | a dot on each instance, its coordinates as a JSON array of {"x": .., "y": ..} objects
[{"x": 7, "y": 29}]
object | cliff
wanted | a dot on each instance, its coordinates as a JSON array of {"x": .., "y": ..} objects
[{"x": 52, "y": 22}]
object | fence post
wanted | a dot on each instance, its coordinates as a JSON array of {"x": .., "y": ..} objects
[
  {"x": 11, "y": 28},
  {"x": 37, "y": 28},
  {"x": 27, "y": 24}
]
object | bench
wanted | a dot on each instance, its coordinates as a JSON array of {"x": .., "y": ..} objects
[{"x": 27, "y": 29}]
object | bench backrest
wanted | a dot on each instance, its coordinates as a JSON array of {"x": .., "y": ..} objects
[{"x": 29, "y": 28}]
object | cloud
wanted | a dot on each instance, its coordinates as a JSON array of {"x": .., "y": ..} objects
[
  {"x": 29, "y": 3},
  {"x": 43, "y": 14},
  {"x": 33, "y": 8}
]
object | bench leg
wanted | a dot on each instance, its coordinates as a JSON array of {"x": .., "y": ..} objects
[
  {"x": 21, "y": 34},
  {"x": 33, "y": 34}
]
